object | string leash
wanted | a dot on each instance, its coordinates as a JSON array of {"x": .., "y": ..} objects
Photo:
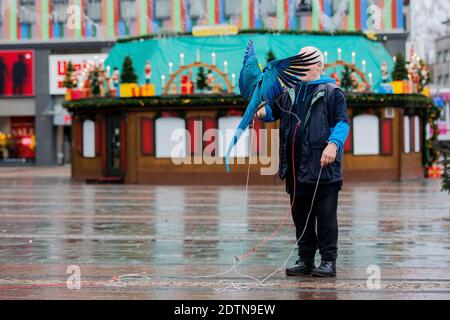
[{"x": 232, "y": 286}]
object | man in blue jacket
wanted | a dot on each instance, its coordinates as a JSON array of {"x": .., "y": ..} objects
[{"x": 316, "y": 112}]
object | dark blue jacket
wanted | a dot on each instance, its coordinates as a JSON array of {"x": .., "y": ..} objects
[{"x": 324, "y": 120}]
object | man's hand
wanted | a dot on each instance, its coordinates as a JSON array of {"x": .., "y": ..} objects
[
  {"x": 329, "y": 154},
  {"x": 261, "y": 113}
]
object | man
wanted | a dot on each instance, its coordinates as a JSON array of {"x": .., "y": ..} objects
[{"x": 316, "y": 112}]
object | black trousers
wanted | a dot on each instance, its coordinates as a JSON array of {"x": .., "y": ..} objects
[{"x": 324, "y": 218}]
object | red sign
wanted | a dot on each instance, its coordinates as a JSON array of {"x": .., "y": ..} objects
[{"x": 17, "y": 73}]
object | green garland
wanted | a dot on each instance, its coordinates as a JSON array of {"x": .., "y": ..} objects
[
  {"x": 249, "y": 31},
  {"x": 446, "y": 176},
  {"x": 353, "y": 99},
  {"x": 430, "y": 155},
  {"x": 159, "y": 102}
]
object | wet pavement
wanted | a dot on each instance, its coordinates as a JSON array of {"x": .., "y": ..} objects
[{"x": 159, "y": 242}]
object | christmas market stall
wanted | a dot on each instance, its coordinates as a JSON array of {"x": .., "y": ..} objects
[{"x": 163, "y": 110}]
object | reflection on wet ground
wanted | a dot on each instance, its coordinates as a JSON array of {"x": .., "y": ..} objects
[{"x": 168, "y": 237}]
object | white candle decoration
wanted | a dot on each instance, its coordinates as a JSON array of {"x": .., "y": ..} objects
[
  {"x": 233, "y": 80},
  {"x": 170, "y": 67},
  {"x": 225, "y": 66},
  {"x": 163, "y": 81},
  {"x": 364, "y": 66},
  {"x": 197, "y": 56},
  {"x": 394, "y": 58},
  {"x": 213, "y": 55},
  {"x": 182, "y": 59},
  {"x": 353, "y": 57},
  {"x": 339, "y": 54},
  {"x": 325, "y": 55},
  {"x": 370, "y": 79}
]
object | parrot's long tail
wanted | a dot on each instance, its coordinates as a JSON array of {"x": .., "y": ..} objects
[{"x": 247, "y": 118}]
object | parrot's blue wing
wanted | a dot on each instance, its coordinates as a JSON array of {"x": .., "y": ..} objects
[
  {"x": 276, "y": 74},
  {"x": 285, "y": 72},
  {"x": 247, "y": 118},
  {"x": 250, "y": 72}
]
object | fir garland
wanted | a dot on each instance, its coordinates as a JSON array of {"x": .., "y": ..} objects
[{"x": 368, "y": 100}]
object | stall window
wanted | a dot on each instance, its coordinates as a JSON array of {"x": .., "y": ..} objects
[
  {"x": 88, "y": 139},
  {"x": 227, "y": 127},
  {"x": 366, "y": 135},
  {"x": 386, "y": 136},
  {"x": 170, "y": 137},
  {"x": 406, "y": 135},
  {"x": 416, "y": 134},
  {"x": 147, "y": 137}
]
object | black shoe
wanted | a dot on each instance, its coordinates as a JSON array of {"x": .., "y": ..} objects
[
  {"x": 301, "y": 268},
  {"x": 326, "y": 269}
]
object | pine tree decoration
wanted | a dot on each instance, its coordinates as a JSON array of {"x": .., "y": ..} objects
[
  {"x": 400, "y": 72},
  {"x": 201, "y": 79},
  {"x": 94, "y": 82},
  {"x": 270, "y": 56},
  {"x": 446, "y": 174},
  {"x": 69, "y": 82},
  {"x": 346, "y": 79},
  {"x": 128, "y": 75}
]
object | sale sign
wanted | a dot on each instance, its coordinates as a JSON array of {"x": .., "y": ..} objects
[
  {"x": 16, "y": 73},
  {"x": 58, "y": 67}
]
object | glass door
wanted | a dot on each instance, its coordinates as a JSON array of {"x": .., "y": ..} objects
[{"x": 114, "y": 147}]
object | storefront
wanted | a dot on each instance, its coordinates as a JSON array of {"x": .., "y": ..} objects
[
  {"x": 17, "y": 107},
  {"x": 17, "y": 140}
]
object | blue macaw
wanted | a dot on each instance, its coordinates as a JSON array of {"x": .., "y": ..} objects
[{"x": 266, "y": 85}]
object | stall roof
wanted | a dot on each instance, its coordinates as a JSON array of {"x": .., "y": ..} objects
[{"x": 161, "y": 51}]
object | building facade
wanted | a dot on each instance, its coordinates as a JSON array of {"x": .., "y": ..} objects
[{"x": 33, "y": 126}]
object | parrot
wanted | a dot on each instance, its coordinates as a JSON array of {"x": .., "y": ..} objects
[{"x": 266, "y": 85}]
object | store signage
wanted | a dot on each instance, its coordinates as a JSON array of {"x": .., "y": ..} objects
[{"x": 58, "y": 67}]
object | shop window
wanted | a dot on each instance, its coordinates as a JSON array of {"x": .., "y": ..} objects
[
  {"x": 170, "y": 137},
  {"x": 227, "y": 127},
  {"x": 17, "y": 140},
  {"x": 406, "y": 135},
  {"x": 366, "y": 135},
  {"x": 88, "y": 139}
]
